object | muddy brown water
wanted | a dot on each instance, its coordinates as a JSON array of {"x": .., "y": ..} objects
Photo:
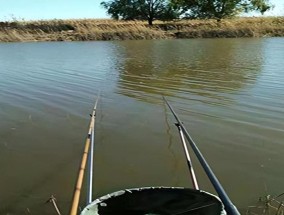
[{"x": 228, "y": 93}]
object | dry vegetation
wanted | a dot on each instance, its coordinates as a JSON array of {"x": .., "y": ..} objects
[{"x": 96, "y": 29}]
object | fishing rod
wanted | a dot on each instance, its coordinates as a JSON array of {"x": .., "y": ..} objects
[
  {"x": 229, "y": 206},
  {"x": 91, "y": 155},
  {"x": 189, "y": 163},
  {"x": 89, "y": 142}
]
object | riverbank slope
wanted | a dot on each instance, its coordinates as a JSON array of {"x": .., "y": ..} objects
[{"x": 96, "y": 29}]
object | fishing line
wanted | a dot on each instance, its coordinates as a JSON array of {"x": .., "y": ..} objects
[{"x": 169, "y": 134}]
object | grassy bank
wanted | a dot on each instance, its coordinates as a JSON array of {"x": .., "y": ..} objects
[{"x": 95, "y": 29}]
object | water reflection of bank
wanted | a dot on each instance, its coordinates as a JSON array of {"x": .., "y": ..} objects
[{"x": 205, "y": 69}]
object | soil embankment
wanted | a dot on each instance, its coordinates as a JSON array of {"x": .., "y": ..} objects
[{"x": 95, "y": 29}]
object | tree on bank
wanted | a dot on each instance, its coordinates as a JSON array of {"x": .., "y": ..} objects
[
  {"x": 219, "y": 9},
  {"x": 149, "y": 10}
]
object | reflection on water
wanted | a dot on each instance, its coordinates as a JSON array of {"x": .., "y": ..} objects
[
  {"x": 207, "y": 69},
  {"x": 228, "y": 92}
]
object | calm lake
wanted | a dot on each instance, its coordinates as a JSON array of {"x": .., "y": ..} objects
[{"x": 228, "y": 92}]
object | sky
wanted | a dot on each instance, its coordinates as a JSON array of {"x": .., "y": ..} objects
[
  {"x": 71, "y": 9},
  {"x": 51, "y": 9}
]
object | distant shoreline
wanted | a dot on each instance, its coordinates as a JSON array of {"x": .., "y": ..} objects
[{"x": 96, "y": 29}]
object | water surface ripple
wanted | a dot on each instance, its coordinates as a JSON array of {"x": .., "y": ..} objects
[{"x": 228, "y": 92}]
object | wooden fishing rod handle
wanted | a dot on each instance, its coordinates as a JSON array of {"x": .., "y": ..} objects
[{"x": 77, "y": 192}]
